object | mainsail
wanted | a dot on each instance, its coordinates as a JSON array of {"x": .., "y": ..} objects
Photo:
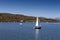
[{"x": 37, "y": 22}]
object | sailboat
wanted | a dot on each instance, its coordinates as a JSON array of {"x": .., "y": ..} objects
[
  {"x": 37, "y": 26},
  {"x": 21, "y": 22}
]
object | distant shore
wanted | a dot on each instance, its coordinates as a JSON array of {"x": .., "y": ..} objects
[{"x": 7, "y": 17}]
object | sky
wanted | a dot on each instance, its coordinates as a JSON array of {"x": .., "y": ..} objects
[{"x": 41, "y": 8}]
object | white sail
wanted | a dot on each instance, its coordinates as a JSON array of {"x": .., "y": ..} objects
[{"x": 36, "y": 22}]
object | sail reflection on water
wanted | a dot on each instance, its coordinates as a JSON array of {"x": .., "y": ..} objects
[{"x": 36, "y": 34}]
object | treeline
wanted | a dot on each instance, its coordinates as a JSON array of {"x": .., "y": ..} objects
[{"x": 7, "y": 17}]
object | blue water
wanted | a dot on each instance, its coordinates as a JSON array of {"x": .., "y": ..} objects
[{"x": 15, "y": 31}]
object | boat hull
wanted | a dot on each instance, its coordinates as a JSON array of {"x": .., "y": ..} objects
[{"x": 37, "y": 27}]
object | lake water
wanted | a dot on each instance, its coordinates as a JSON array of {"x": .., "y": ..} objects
[{"x": 15, "y": 31}]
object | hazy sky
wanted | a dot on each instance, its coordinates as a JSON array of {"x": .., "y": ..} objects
[{"x": 41, "y": 8}]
